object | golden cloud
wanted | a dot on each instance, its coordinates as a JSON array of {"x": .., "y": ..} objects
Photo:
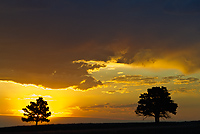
[
  {"x": 186, "y": 80},
  {"x": 183, "y": 90},
  {"x": 135, "y": 79},
  {"x": 120, "y": 90}
]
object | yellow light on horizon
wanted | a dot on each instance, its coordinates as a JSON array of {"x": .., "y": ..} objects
[{"x": 23, "y": 94}]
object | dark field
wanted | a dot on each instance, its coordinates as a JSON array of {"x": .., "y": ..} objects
[{"x": 108, "y": 128}]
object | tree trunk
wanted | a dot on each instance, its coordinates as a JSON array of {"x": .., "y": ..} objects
[
  {"x": 157, "y": 118},
  {"x": 37, "y": 119}
]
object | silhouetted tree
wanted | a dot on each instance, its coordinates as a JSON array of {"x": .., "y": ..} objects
[
  {"x": 37, "y": 111},
  {"x": 157, "y": 103}
]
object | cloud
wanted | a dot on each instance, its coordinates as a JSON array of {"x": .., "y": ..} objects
[
  {"x": 109, "y": 92},
  {"x": 41, "y": 39},
  {"x": 161, "y": 57},
  {"x": 46, "y": 96},
  {"x": 88, "y": 83},
  {"x": 91, "y": 66},
  {"x": 121, "y": 90},
  {"x": 108, "y": 108},
  {"x": 179, "y": 79},
  {"x": 186, "y": 80},
  {"x": 167, "y": 79},
  {"x": 144, "y": 57},
  {"x": 34, "y": 97},
  {"x": 55, "y": 79},
  {"x": 135, "y": 79},
  {"x": 141, "y": 80},
  {"x": 120, "y": 72},
  {"x": 182, "y": 90}
]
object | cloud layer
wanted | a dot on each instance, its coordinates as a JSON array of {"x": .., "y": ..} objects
[
  {"x": 135, "y": 80},
  {"x": 40, "y": 39},
  {"x": 107, "y": 107}
]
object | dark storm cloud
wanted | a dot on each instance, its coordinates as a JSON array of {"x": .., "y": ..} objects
[
  {"x": 88, "y": 83},
  {"x": 39, "y": 38},
  {"x": 90, "y": 65}
]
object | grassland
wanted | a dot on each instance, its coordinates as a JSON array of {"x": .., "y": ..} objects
[{"x": 192, "y": 127}]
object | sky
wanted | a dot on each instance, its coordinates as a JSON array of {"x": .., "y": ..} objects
[{"x": 94, "y": 58}]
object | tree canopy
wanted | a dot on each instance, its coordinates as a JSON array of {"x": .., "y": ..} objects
[
  {"x": 157, "y": 103},
  {"x": 37, "y": 111}
]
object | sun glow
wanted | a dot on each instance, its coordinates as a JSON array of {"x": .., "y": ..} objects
[
  {"x": 29, "y": 92},
  {"x": 71, "y": 101}
]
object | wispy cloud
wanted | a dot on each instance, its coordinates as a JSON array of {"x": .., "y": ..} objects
[
  {"x": 120, "y": 90},
  {"x": 34, "y": 97},
  {"x": 186, "y": 80},
  {"x": 183, "y": 90},
  {"x": 168, "y": 79},
  {"x": 135, "y": 79},
  {"x": 107, "y": 107}
]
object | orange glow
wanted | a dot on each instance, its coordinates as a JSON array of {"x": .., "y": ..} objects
[{"x": 30, "y": 92}]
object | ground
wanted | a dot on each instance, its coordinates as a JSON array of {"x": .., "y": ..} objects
[{"x": 108, "y": 128}]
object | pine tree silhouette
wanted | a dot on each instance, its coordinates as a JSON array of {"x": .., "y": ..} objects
[{"x": 37, "y": 111}]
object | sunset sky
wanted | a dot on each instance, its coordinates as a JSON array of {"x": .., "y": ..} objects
[{"x": 93, "y": 58}]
